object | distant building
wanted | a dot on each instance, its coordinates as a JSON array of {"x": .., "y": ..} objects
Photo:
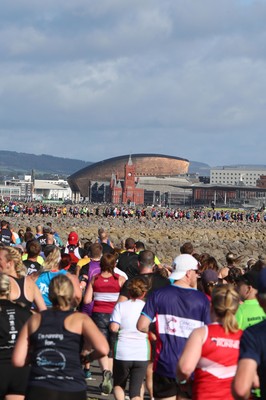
[
  {"x": 118, "y": 190},
  {"x": 149, "y": 190},
  {"x": 247, "y": 176},
  {"x": 91, "y": 179},
  {"x": 51, "y": 189},
  {"x": 29, "y": 188},
  {"x": 261, "y": 183}
]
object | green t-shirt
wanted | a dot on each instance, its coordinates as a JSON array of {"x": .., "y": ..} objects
[{"x": 249, "y": 313}]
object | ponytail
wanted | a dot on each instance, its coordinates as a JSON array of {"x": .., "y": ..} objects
[{"x": 225, "y": 302}]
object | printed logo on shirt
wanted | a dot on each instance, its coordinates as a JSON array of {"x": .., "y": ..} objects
[
  {"x": 51, "y": 360},
  {"x": 222, "y": 342},
  {"x": 177, "y": 326}
]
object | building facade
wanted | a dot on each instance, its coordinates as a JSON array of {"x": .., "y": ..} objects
[{"x": 236, "y": 175}]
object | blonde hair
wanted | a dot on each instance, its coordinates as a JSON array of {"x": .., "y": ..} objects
[
  {"x": 138, "y": 286},
  {"x": 225, "y": 302},
  {"x": 12, "y": 254},
  {"x": 61, "y": 291},
  {"x": 52, "y": 260},
  {"x": 4, "y": 285}
]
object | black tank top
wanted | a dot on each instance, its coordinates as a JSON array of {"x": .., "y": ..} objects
[
  {"x": 55, "y": 358},
  {"x": 22, "y": 298}
]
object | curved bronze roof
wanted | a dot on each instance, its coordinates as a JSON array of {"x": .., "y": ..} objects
[{"x": 157, "y": 165}]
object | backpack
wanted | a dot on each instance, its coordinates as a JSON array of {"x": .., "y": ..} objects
[{"x": 73, "y": 251}]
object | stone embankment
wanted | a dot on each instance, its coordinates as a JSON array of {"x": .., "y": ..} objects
[{"x": 165, "y": 237}]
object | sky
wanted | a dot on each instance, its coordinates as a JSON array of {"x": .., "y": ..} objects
[{"x": 94, "y": 79}]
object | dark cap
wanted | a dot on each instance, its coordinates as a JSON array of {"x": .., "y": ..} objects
[
  {"x": 250, "y": 278},
  {"x": 262, "y": 281},
  {"x": 209, "y": 275}
]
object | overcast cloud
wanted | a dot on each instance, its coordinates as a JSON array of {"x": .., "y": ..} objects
[{"x": 90, "y": 79}]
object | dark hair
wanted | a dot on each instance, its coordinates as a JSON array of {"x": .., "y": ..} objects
[
  {"x": 209, "y": 263},
  {"x": 233, "y": 275},
  {"x": 86, "y": 247},
  {"x": 146, "y": 258},
  {"x": 137, "y": 287},
  {"x": 28, "y": 236},
  {"x": 21, "y": 234},
  {"x": 140, "y": 245},
  {"x": 65, "y": 260},
  {"x": 4, "y": 223},
  {"x": 258, "y": 265},
  {"x": 187, "y": 248},
  {"x": 96, "y": 250},
  {"x": 129, "y": 243},
  {"x": 33, "y": 248},
  {"x": 108, "y": 262}
]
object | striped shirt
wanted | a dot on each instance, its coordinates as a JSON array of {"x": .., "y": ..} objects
[{"x": 106, "y": 292}]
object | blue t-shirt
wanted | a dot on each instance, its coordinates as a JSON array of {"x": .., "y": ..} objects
[
  {"x": 253, "y": 346},
  {"x": 43, "y": 283},
  {"x": 177, "y": 311}
]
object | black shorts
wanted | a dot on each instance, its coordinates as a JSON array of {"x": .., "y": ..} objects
[
  {"x": 42, "y": 393},
  {"x": 102, "y": 320},
  {"x": 13, "y": 380},
  {"x": 134, "y": 370},
  {"x": 168, "y": 387}
]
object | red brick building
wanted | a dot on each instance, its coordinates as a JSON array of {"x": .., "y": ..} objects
[
  {"x": 262, "y": 182},
  {"x": 125, "y": 190}
]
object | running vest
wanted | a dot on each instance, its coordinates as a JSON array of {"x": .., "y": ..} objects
[
  {"x": 106, "y": 292},
  {"x": 55, "y": 359},
  {"x": 22, "y": 299},
  {"x": 217, "y": 365},
  {"x": 5, "y": 236}
]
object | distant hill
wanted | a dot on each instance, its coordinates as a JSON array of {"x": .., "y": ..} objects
[
  {"x": 196, "y": 167},
  {"x": 13, "y": 163}
]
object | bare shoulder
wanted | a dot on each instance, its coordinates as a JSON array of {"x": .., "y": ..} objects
[
  {"x": 199, "y": 334},
  {"x": 34, "y": 322},
  {"x": 75, "y": 321},
  {"x": 30, "y": 282}
]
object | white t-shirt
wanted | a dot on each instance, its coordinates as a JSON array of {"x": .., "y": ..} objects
[
  {"x": 120, "y": 272},
  {"x": 131, "y": 345}
]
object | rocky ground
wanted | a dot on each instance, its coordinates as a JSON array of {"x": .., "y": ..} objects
[{"x": 164, "y": 237}]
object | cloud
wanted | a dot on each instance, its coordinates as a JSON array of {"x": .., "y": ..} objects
[{"x": 175, "y": 77}]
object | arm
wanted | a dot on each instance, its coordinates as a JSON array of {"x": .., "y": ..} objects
[
  {"x": 244, "y": 378},
  {"x": 121, "y": 280},
  {"x": 89, "y": 293},
  {"x": 114, "y": 327},
  {"x": 191, "y": 354},
  {"x": 143, "y": 324},
  {"x": 20, "y": 352}
]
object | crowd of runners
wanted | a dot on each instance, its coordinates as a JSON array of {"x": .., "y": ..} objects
[
  {"x": 17, "y": 209},
  {"x": 190, "y": 330}
]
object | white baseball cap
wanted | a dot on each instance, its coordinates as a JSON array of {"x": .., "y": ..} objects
[{"x": 181, "y": 265}]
